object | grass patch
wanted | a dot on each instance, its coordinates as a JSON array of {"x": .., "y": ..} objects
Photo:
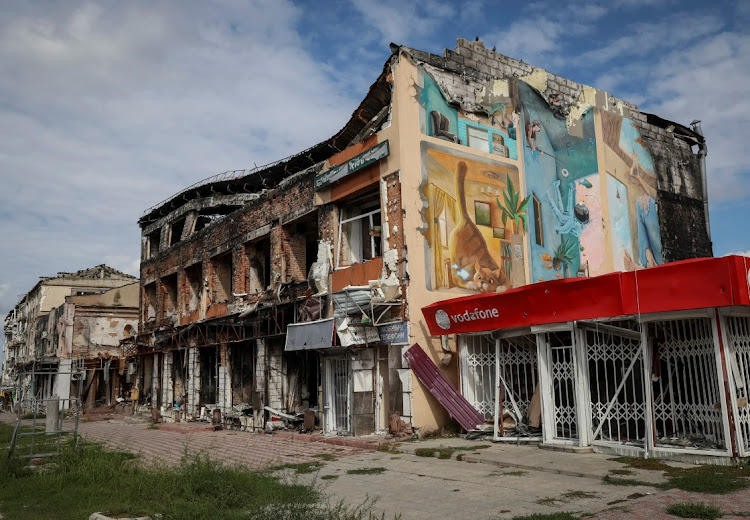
[
  {"x": 516, "y": 473},
  {"x": 647, "y": 464},
  {"x": 701, "y": 511},
  {"x": 424, "y": 452},
  {"x": 31, "y": 415},
  {"x": 446, "y": 452},
  {"x": 577, "y": 495},
  {"x": 548, "y": 501},
  {"x": 92, "y": 478},
  {"x": 389, "y": 447},
  {"x": 717, "y": 480},
  {"x": 548, "y": 516},
  {"x": 366, "y": 471},
  {"x": 329, "y": 477},
  {"x": 614, "y": 481},
  {"x": 325, "y": 456}
]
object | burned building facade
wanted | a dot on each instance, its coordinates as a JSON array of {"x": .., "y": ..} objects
[
  {"x": 65, "y": 334},
  {"x": 299, "y": 285}
]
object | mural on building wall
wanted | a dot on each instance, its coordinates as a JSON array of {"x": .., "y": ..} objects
[
  {"x": 492, "y": 127},
  {"x": 588, "y": 203},
  {"x": 475, "y": 219},
  {"x": 573, "y": 202},
  {"x": 636, "y": 239},
  {"x": 562, "y": 177}
]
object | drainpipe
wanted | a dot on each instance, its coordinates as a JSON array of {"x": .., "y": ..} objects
[{"x": 702, "y": 152}]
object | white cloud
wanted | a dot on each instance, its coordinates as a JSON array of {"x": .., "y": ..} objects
[
  {"x": 404, "y": 22},
  {"x": 642, "y": 39},
  {"x": 709, "y": 81},
  {"x": 739, "y": 253},
  {"x": 108, "y": 108}
]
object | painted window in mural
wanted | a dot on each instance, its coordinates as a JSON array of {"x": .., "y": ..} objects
[
  {"x": 359, "y": 230},
  {"x": 475, "y": 219},
  {"x": 492, "y": 129}
]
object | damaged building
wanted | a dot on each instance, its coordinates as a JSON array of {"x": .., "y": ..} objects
[
  {"x": 296, "y": 289},
  {"x": 62, "y": 340}
]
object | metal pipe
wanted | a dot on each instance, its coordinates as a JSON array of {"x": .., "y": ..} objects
[{"x": 702, "y": 152}]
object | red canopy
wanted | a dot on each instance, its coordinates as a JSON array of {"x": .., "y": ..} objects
[{"x": 689, "y": 284}]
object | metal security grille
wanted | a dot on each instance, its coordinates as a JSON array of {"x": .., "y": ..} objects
[
  {"x": 618, "y": 406},
  {"x": 562, "y": 361},
  {"x": 738, "y": 335},
  {"x": 341, "y": 385},
  {"x": 686, "y": 388},
  {"x": 519, "y": 374},
  {"x": 478, "y": 373}
]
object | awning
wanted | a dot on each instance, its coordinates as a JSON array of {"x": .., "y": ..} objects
[
  {"x": 309, "y": 335},
  {"x": 689, "y": 284}
]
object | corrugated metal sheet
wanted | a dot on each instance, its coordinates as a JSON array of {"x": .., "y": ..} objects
[
  {"x": 352, "y": 300},
  {"x": 431, "y": 377}
]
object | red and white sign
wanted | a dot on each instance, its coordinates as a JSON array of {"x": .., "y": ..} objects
[{"x": 690, "y": 284}]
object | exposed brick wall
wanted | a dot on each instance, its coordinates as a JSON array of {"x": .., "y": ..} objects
[
  {"x": 295, "y": 254},
  {"x": 258, "y": 217},
  {"x": 327, "y": 217}
]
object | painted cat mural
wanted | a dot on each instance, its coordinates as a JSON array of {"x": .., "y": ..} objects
[{"x": 473, "y": 265}]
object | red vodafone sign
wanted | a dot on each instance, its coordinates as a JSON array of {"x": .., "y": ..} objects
[{"x": 690, "y": 284}]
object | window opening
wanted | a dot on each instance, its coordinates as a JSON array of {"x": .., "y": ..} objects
[
  {"x": 175, "y": 233},
  {"x": 360, "y": 231},
  {"x": 222, "y": 278},
  {"x": 194, "y": 276}
]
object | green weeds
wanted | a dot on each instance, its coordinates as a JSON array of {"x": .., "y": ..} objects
[{"x": 701, "y": 511}]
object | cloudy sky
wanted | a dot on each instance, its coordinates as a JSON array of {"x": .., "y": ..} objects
[{"x": 107, "y": 108}]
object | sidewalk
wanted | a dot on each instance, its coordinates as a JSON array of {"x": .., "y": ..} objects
[{"x": 498, "y": 481}]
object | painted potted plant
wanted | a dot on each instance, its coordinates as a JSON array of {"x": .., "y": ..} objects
[
  {"x": 562, "y": 257},
  {"x": 513, "y": 208}
]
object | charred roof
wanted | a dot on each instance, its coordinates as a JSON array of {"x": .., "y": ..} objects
[{"x": 270, "y": 175}]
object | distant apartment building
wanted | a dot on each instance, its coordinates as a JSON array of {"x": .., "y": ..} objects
[
  {"x": 300, "y": 285},
  {"x": 70, "y": 323}
]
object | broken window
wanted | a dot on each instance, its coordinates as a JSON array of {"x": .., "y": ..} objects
[
  {"x": 152, "y": 243},
  {"x": 194, "y": 279},
  {"x": 221, "y": 283},
  {"x": 149, "y": 304},
  {"x": 169, "y": 286},
  {"x": 258, "y": 275},
  {"x": 208, "y": 216},
  {"x": 175, "y": 231},
  {"x": 360, "y": 230}
]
